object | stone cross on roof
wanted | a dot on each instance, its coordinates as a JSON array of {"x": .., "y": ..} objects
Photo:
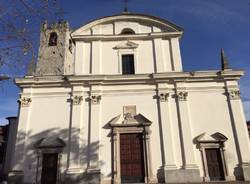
[{"x": 125, "y": 6}]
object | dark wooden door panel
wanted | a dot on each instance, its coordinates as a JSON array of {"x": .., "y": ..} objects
[
  {"x": 214, "y": 164},
  {"x": 131, "y": 155},
  {"x": 49, "y": 168}
]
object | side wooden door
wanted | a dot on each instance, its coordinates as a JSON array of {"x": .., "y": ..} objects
[
  {"x": 131, "y": 158},
  {"x": 214, "y": 164},
  {"x": 49, "y": 168}
]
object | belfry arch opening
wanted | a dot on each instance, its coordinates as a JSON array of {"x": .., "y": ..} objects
[{"x": 53, "y": 39}]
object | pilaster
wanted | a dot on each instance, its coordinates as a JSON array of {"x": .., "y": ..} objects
[
  {"x": 240, "y": 130},
  {"x": 190, "y": 171},
  {"x": 76, "y": 121},
  {"x": 176, "y": 55},
  {"x": 158, "y": 50},
  {"x": 19, "y": 163},
  {"x": 186, "y": 131},
  {"x": 96, "y": 63},
  {"x": 94, "y": 129},
  {"x": 167, "y": 130},
  {"x": 79, "y": 58}
]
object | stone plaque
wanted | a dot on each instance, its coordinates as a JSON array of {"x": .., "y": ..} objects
[{"x": 129, "y": 112}]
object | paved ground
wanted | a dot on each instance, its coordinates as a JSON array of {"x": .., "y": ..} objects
[
  {"x": 216, "y": 182},
  {"x": 211, "y": 182}
]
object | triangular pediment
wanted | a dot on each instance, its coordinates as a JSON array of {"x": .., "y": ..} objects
[
  {"x": 50, "y": 142},
  {"x": 126, "y": 45},
  {"x": 137, "y": 120},
  {"x": 216, "y": 137}
]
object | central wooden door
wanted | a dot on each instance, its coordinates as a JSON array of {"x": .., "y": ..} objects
[
  {"x": 131, "y": 158},
  {"x": 49, "y": 168},
  {"x": 214, "y": 164}
]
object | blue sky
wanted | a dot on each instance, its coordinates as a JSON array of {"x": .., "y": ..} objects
[{"x": 209, "y": 25}]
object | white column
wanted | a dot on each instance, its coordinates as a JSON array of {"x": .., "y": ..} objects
[
  {"x": 176, "y": 55},
  {"x": 96, "y": 64},
  {"x": 166, "y": 122},
  {"x": 189, "y": 161},
  {"x": 159, "y": 59},
  {"x": 76, "y": 121},
  {"x": 240, "y": 129}
]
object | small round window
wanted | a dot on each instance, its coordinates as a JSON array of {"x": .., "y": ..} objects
[{"x": 127, "y": 31}]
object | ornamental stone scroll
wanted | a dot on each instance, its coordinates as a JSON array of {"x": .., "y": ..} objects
[
  {"x": 77, "y": 100},
  {"x": 234, "y": 94},
  {"x": 95, "y": 99},
  {"x": 25, "y": 101},
  {"x": 163, "y": 97},
  {"x": 182, "y": 95}
]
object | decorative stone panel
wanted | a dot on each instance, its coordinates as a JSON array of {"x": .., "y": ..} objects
[
  {"x": 77, "y": 100},
  {"x": 24, "y": 101},
  {"x": 95, "y": 99},
  {"x": 234, "y": 94},
  {"x": 182, "y": 96},
  {"x": 163, "y": 97}
]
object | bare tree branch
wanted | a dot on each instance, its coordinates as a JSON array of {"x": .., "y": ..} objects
[{"x": 20, "y": 22}]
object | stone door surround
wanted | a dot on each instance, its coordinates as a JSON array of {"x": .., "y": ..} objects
[{"x": 139, "y": 124}]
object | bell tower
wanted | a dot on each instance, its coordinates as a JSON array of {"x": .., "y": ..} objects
[{"x": 55, "y": 51}]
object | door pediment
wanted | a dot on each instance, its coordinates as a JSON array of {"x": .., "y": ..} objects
[{"x": 123, "y": 121}]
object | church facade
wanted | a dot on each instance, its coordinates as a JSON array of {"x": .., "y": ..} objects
[{"x": 110, "y": 103}]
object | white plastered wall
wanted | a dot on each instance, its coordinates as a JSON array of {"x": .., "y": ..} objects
[
  {"x": 212, "y": 116},
  {"x": 50, "y": 113}
]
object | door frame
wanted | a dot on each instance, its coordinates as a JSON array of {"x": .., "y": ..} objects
[
  {"x": 127, "y": 129},
  {"x": 141, "y": 154},
  {"x": 48, "y": 145},
  {"x": 40, "y": 154},
  {"x": 217, "y": 141},
  {"x": 219, "y": 160},
  {"x": 42, "y": 164}
]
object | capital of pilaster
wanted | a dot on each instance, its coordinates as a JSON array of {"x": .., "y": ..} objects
[
  {"x": 163, "y": 97},
  {"x": 95, "y": 99},
  {"x": 24, "y": 101},
  {"x": 234, "y": 94},
  {"x": 182, "y": 95},
  {"x": 77, "y": 100}
]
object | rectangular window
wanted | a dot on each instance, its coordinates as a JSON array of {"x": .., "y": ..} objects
[{"x": 128, "y": 66}]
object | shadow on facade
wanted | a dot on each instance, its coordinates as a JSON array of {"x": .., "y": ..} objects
[{"x": 78, "y": 150}]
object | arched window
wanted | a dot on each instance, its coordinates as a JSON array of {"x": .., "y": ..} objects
[
  {"x": 53, "y": 39},
  {"x": 127, "y": 31}
]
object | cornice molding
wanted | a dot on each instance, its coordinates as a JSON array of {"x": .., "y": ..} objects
[
  {"x": 147, "y": 36},
  {"x": 169, "y": 77}
]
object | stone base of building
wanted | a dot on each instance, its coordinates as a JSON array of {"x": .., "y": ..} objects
[
  {"x": 245, "y": 167},
  {"x": 92, "y": 176},
  {"x": 182, "y": 176},
  {"x": 15, "y": 177}
]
